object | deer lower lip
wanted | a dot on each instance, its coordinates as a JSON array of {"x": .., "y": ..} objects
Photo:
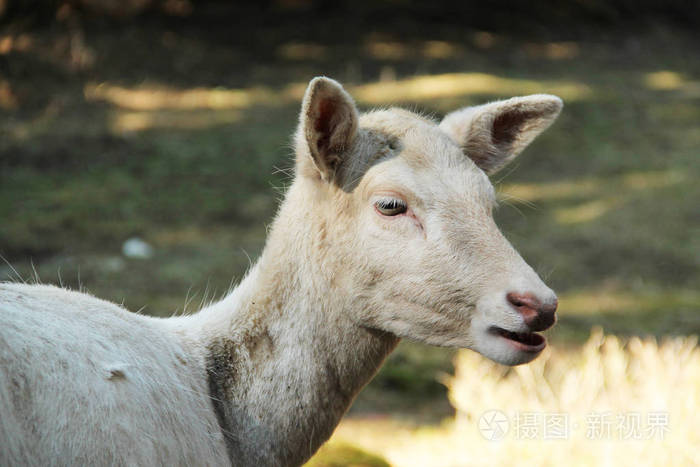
[{"x": 525, "y": 341}]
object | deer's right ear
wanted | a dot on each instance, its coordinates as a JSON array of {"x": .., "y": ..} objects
[{"x": 327, "y": 126}]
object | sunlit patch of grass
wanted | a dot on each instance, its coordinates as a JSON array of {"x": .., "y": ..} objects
[
  {"x": 586, "y": 212},
  {"x": 553, "y": 50},
  {"x": 672, "y": 81},
  {"x": 601, "y": 195},
  {"x": 162, "y": 97},
  {"x": 590, "y": 186},
  {"x": 418, "y": 88},
  {"x": 159, "y": 107},
  {"x": 620, "y": 399},
  {"x": 387, "y": 50},
  {"x": 663, "y": 80},
  {"x": 615, "y": 301},
  {"x": 156, "y": 106},
  {"x": 440, "y": 49},
  {"x": 125, "y": 122},
  {"x": 452, "y": 85},
  {"x": 607, "y": 375}
]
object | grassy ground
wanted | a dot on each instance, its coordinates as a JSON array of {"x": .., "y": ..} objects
[{"x": 178, "y": 133}]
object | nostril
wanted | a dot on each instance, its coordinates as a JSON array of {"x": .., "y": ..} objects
[
  {"x": 536, "y": 314},
  {"x": 521, "y": 301}
]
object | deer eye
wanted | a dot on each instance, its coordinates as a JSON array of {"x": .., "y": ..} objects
[{"x": 391, "y": 206}]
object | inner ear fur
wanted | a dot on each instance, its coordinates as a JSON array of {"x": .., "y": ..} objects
[{"x": 327, "y": 127}]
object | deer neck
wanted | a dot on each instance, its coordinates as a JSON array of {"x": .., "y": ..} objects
[{"x": 283, "y": 355}]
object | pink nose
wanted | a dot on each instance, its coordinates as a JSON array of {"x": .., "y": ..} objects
[{"x": 537, "y": 315}]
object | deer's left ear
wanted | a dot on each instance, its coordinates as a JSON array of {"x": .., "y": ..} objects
[
  {"x": 493, "y": 134},
  {"x": 327, "y": 126}
]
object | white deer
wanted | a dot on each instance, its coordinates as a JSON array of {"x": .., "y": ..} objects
[{"x": 385, "y": 233}]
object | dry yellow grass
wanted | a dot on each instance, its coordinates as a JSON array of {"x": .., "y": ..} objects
[{"x": 612, "y": 402}]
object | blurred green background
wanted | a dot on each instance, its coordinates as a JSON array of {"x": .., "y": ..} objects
[{"x": 170, "y": 121}]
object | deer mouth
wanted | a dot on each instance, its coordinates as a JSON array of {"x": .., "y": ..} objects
[{"x": 524, "y": 341}]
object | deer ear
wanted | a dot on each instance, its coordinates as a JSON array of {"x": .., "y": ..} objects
[
  {"x": 493, "y": 134},
  {"x": 327, "y": 126}
]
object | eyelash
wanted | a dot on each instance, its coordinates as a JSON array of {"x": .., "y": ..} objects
[{"x": 391, "y": 206}]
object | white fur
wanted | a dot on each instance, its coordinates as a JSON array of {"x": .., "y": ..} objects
[{"x": 264, "y": 376}]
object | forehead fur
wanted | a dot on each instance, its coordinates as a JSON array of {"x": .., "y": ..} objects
[
  {"x": 422, "y": 141},
  {"x": 395, "y": 121}
]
